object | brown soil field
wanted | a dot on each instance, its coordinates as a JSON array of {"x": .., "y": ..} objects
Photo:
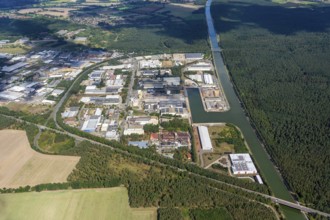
[
  {"x": 20, "y": 165},
  {"x": 57, "y": 12}
]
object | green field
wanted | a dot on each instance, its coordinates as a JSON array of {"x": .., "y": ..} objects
[
  {"x": 12, "y": 50},
  {"x": 111, "y": 203},
  {"x": 54, "y": 143}
]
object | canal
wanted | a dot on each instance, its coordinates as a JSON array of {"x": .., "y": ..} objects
[{"x": 236, "y": 115}]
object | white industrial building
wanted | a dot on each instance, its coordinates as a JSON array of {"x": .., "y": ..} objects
[
  {"x": 14, "y": 67},
  {"x": 112, "y": 135},
  {"x": 259, "y": 180},
  {"x": 172, "y": 81},
  {"x": 70, "y": 112},
  {"x": 8, "y": 95},
  {"x": 200, "y": 66},
  {"x": 146, "y": 64},
  {"x": 205, "y": 139},
  {"x": 242, "y": 164},
  {"x": 91, "y": 124},
  {"x": 98, "y": 112},
  {"x": 193, "y": 56},
  {"x": 57, "y": 92},
  {"x": 93, "y": 90},
  {"x": 134, "y": 130},
  {"x": 208, "y": 79},
  {"x": 96, "y": 75}
]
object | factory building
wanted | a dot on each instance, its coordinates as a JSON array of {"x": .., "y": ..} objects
[
  {"x": 205, "y": 139},
  {"x": 91, "y": 124},
  {"x": 208, "y": 79},
  {"x": 193, "y": 56},
  {"x": 201, "y": 66},
  {"x": 242, "y": 164}
]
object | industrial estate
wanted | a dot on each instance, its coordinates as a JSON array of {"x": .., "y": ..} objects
[{"x": 164, "y": 130}]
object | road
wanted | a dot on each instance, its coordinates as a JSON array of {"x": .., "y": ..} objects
[
  {"x": 67, "y": 93},
  {"x": 129, "y": 93},
  {"x": 273, "y": 198}
]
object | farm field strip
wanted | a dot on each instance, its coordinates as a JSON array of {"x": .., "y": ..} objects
[
  {"x": 109, "y": 203},
  {"x": 20, "y": 165}
]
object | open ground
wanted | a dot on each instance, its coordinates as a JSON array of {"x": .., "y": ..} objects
[
  {"x": 56, "y": 12},
  {"x": 20, "y": 165},
  {"x": 110, "y": 203}
]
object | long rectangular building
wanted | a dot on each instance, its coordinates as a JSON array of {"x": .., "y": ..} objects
[{"x": 205, "y": 139}]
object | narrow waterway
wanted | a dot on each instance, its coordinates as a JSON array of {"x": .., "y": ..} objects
[{"x": 237, "y": 116}]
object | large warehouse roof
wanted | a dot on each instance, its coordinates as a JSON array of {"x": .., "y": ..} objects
[
  {"x": 242, "y": 164},
  {"x": 205, "y": 138}
]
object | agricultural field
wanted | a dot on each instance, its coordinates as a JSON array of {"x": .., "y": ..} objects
[
  {"x": 180, "y": 10},
  {"x": 56, "y": 12},
  {"x": 21, "y": 166},
  {"x": 109, "y": 203}
]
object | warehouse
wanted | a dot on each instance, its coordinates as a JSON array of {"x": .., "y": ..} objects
[
  {"x": 242, "y": 164},
  {"x": 14, "y": 67},
  {"x": 205, "y": 138},
  {"x": 208, "y": 79},
  {"x": 7, "y": 95},
  {"x": 193, "y": 56},
  {"x": 91, "y": 124},
  {"x": 201, "y": 66},
  {"x": 96, "y": 75}
]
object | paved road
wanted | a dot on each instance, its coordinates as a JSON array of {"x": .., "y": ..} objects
[
  {"x": 67, "y": 93},
  {"x": 129, "y": 93},
  {"x": 274, "y": 199}
]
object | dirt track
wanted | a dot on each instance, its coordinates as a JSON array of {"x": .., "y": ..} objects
[{"x": 20, "y": 165}]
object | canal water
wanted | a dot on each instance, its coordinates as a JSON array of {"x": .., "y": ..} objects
[{"x": 237, "y": 116}]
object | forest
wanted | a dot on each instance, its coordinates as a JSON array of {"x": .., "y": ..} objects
[
  {"x": 278, "y": 58},
  {"x": 152, "y": 185}
]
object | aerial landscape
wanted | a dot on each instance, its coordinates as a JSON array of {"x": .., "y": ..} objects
[{"x": 168, "y": 110}]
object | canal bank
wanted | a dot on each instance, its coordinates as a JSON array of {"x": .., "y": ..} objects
[{"x": 237, "y": 116}]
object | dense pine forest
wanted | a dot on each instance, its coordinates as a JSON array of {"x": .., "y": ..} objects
[{"x": 278, "y": 57}]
